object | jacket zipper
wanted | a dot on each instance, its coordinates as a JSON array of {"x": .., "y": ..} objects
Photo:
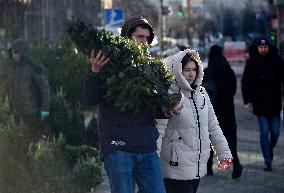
[{"x": 198, "y": 123}]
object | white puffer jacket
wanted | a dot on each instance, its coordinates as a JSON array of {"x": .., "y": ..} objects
[{"x": 186, "y": 145}]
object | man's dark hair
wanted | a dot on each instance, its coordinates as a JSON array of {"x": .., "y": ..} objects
[
  {"x": 131, "y": 23},
  {"x": 143, "y": 26}
]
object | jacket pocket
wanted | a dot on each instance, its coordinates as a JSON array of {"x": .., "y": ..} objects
[
  {"x": 183, "y": 154},
  {"x": 205, "y": 154}
]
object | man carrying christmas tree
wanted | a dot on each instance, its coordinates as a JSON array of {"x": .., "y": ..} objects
[{"x": 127, "y": 139}]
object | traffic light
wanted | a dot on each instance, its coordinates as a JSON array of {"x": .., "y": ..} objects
[
  {"x": 180, "y": 11},
  {"x": 273, "y": 36}
]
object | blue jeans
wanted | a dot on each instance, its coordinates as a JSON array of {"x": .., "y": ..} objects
[
  {"x": 124, "y": 169},
  {"x": 269, "y": 128}
]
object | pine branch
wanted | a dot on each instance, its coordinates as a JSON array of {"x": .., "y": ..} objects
[{"x": 134, "y": 80}]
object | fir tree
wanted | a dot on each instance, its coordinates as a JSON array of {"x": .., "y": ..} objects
[{"x": 133, "y": 80}]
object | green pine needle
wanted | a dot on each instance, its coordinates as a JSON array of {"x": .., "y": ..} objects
[{"x": 134, "y": 81}]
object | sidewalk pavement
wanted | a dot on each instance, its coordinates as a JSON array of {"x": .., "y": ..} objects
[{"x": 253, "y": 179}]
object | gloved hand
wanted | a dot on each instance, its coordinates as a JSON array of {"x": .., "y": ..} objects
[
  {"x": 44, "y": 114},
  {"x": 224, "y": 164}
]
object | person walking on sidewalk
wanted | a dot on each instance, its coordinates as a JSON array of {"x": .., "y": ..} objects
[
  {"x": 224, "y": 78},
  {"x": 127, "y": 139},
  {"x": 186, "y": 145},
  {"x": 262, "y": 88}
]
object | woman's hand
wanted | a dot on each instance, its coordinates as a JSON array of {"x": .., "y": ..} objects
[
  {"x": 174, "y": 111},
  {"x": 98, "y": 61}
]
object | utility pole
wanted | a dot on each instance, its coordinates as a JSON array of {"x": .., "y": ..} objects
[
  {"x": 189, "y": 41},
  {"x": 161, "y": 25},
  {"x": 43, "y": 19},
  {"x": 51, "y": 20}
]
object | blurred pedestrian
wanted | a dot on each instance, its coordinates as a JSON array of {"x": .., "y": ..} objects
[
  {"x": 127, "y": 139},
  {"x": 225, "y": 82},
  {"x": 186, "y": 145},
  {"x": 262, "y": 89},
  {"x": 28, "y": 89}
]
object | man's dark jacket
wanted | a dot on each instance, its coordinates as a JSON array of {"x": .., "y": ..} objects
[
  {"x": 262, "y": 82},
  {"x": 125, "y": 131}
]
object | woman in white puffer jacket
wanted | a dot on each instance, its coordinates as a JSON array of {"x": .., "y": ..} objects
[{"x": 186, "y": 145}]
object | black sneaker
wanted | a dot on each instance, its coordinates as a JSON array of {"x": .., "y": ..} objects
[
  {"x": 237, "y": 171},
  {"x": 268, "y": 168}
]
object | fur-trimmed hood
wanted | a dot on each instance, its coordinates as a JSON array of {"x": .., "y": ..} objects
[{"x": 173, "y": 63}]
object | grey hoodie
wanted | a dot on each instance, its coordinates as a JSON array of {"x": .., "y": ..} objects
[{"x": 29, "y": 90}]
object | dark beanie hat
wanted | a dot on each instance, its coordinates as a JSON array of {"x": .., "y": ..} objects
[
  {"x": 215, "y": 51},
  {"x": 261, "y": 41}
]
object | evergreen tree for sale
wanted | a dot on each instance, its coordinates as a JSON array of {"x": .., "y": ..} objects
[{"x": 132, "y": 79}]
